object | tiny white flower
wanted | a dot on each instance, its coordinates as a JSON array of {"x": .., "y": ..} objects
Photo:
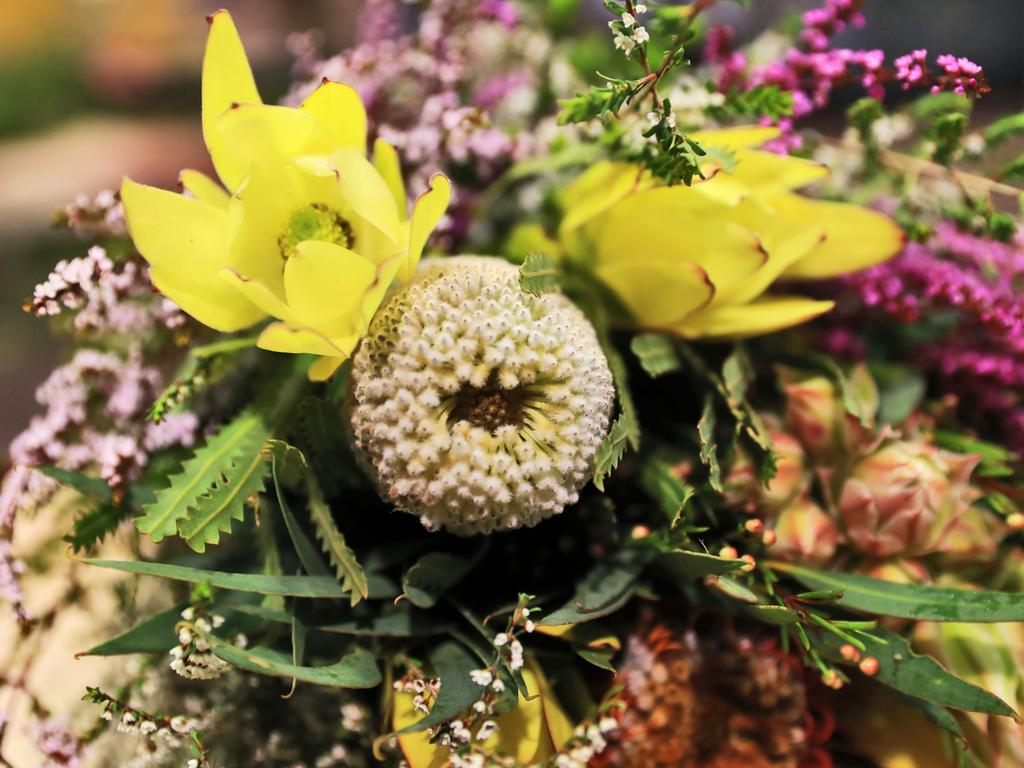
[
  {"x": 530, "y": 626},
  {"x": 482, "y": 677},
  {"x": 500, "y": 639},
  {"x": 640, "y": 8},
  {"x": 640, "y": 35},
  {"x": 628, "y": 20}
]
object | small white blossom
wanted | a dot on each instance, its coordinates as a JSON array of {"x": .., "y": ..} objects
[
  {"x": 628, "y": 20},
  {"x": 530, "y": 626},
  {"x": 482, "y": 677},
  {"x": 640, "y": 8},
  {"x": 640, "y": 35},
  {"x": 486, "y": 730},
  {"x": 500, "y": 639}
]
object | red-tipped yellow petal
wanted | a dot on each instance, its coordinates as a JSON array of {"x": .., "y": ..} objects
[
  {"x": 325, "y": 284},
  {"x": 766, "y": 174},
  {"x": 227, "y": 80},
  {"x": 598, "y": 188},
  {"x": 260, "y": 295},
  {"x": 426, "y": 213},
  {"x": 385, "y": 160},
  {"x": 269, "y": 134},
  {"x": 855, "y": 237},
  {"x": 769, "y": 314},
  {"x": 202, "y": 187},
  {"x": 657, "y": 293},
  {"x": 281, "y": 337},
  {"x": 214, "y": 305},
  {"x": 341, "y": 110}
]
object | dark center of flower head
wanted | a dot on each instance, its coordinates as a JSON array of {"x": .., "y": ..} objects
[
  {"x": 490, "y": 406},
  {"x": 315, "y": 221}
]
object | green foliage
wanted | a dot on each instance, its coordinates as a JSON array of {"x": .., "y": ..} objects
[
  {"x": 607, "y": 587},
  {"x": 452, "y": 664},
  {"x": 1005, "y": 128},
  {"x": 92, "y": 526},
  {"x": 947, "y": 132},
  {"x": 598, "y": 101},
  {"x": 153, "y": 635},
  {"x": 433, "y": 574},
  {"x": 665, "y": 485},
  {"x": 656, "y": 353},
  {"x": 672, "y": 157},
  {"x": 611, "y": 450},
  {"x": 538, "y": 273},
  {"x": 922, "y": 602},
  {"x": 758, "y": 102},
  {"x": 681, "y": 565},
  {"x": 356, "y": 669},
  {"x": 708, "y": 446},
  {"x": 93, "y": 487}
]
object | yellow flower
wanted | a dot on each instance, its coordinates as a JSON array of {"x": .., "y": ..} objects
[
  {"x": 305, "y": 228},
  {"x": 696, "y": 261},
  {"x": 532, "y": 732}
]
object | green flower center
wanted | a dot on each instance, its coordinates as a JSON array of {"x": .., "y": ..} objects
[{"x": 315, "y": 222}]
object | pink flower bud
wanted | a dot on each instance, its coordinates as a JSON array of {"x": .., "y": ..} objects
[
  {"x": 744, "y": 489},
  {"x": 805, "y": 534},
  {"x": 905, "y": 498},
  {"x": 814, "y": 412}
]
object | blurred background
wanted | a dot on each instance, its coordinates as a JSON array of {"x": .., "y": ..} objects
[{"x": 92, "y": 90}]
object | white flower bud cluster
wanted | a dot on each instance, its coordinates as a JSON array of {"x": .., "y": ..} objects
[
  {"x": 193, "y": 656},
  {"x": 478, "y": 405}
]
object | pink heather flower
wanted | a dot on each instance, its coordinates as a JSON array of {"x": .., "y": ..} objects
[
  {"x": 911, "y": 68},
  {"x": 60, "y": 748},
  {"x": 905, "y": 497},
  {"x": 962, "y": 74}
]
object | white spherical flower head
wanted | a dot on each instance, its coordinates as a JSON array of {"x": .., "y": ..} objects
[{"x": 480, "y": 406}]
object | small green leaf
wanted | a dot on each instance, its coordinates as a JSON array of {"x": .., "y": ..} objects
[
  {"x": 356, "y": 669},
  {"x": 452, "y": 664},
  {"x": 94, "y": 525},
  {"x": 152, "y": 635},
  {"x": 656, "y": 353},
  {"x": 433, "y": 575},
  {"x": 346, "y": 566},
  {"x": 611, "y": 451},
  {"x": 93, "y": 487},
  {"x": 708, "y": 446},
  {"x": 599, "y": 657},
  {"x": 922, "y": 602},
  {"x": 663, "y": 483},
  {"x": 921, "y": 676},
  {"x": 538, "y": 273},
  {"x": 607, "y": 587}
]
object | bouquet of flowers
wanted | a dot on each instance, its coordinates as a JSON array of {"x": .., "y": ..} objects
[{"x": 519, "y": 393}]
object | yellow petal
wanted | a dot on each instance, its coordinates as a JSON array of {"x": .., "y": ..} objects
[
  {"x": 339, "y": 108},
  {"x": 741, "y": 137},
  {"x": 260, "y": 295},
  {"x": 416, "y": 747},
  {"x": 216, "y": 306},
  {"x": 558, "y": 724},
  {"x": 426, "y": 213},
  {"x": 178, "y": 234},
  {"x": 597, "y": 189},
  {"x": 386, "y": 271},
  {"x": 325, "y": 284},
  {"x": 855, "y": 237},
  {"x": 741, "y": 320},
  {"x": 522, "y": 730},
  {"x": 269, "y": 134},
  {"x": 227, "y": 80},
  {"x": 657, "y": 293},
  {"x": 385, "y": 160},
  {"x": 202, "y": 187},
  {"x": 767, "y": 174},
  {"x": 324, "y": 367},
  {"x": 281, "y": 337}
]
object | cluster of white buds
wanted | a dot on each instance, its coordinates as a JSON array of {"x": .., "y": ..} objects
[
  {"x": 627, "y": 33},
  {"x": 193, "y": 656},
  {"x": 587, "y": 742},
  {"x": 424, "y": 691},
  {"x": 480, "y": 406}
]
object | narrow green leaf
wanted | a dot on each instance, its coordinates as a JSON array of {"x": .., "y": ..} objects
[
  {"x": 294, "y": 586},
  {"x": 93, "y": 487},
  {"x": 733, "y": 589},
  {"x": 285, "y": 461},
  {"x": 599, "y": 657},
  {"x": 346, "y": 566},
  {"x": 921, "y": 676},
  {"x": 152, "y": 635},
  {"x": 452, "y": 664},
  {"x": 403, "y": 621},
  {"x": 538, "y": 273},
  {"x": 201, "y": 474},
  {"x": 922, "y": 602},
  {"x": 685, "y": 565},
  {"x": 663, "y": 483},
  {"x": 656, "y": 353},
  {"x": 356, "y": 669},
  {"x": 433, "y": 575}
]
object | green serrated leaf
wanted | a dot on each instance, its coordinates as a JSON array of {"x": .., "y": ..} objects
[
  {"x": 153, "y": 635},
  {"x": 346, "y": 566},
  {"x": 664, "y": 484},
  {"x": 684, "y": 565},
  {"x": 356, "y": 669},
  {"x": 214, "y": 514},
  {"x": 708, "y": 446},
  {"x": 452, "y": 664},
  {"x": 611, "y": 451},
  {"x": 93, "y": 487},
  {"x": 201, "y": 474},
  {"x": 94, "y": 525},
  {"x": 538, "y": 273},
  {"x": 433, "y": 575},
  {"x": 910, "y": 601},
  {"x": 921, "y": 676},
  {"x": 656, "y": 353}
]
